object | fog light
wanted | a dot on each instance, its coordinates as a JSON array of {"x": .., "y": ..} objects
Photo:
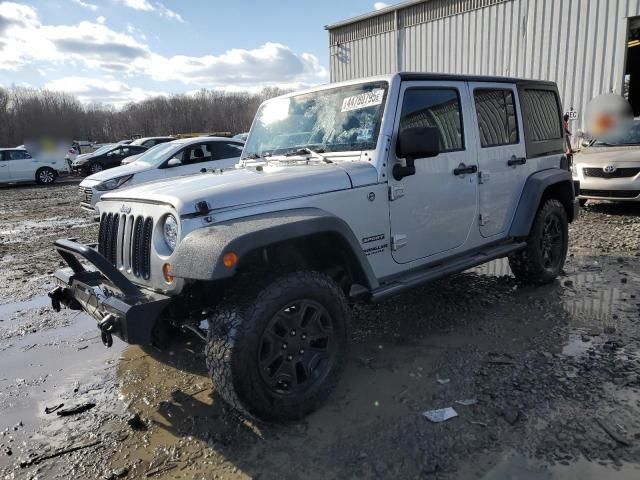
[
  {"x": 166, "y": 272},
  {"x": 230, "y": 259}
]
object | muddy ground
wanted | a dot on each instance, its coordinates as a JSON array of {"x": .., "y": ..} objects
[{"x": 545, "y": 380}]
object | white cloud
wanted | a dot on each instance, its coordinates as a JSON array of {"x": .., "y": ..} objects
[
  {"x": 269, "y": 64},
  {"x": 110, "y": 54},
  {"x": 158, "y": 7},
  {"x": 380, "y": 5},
  {"x": 101, "y": 20},
  {"x": 138, "y": 5},
  {"x": 90, "y": 6},
  {"x": 114, "y": 92}
]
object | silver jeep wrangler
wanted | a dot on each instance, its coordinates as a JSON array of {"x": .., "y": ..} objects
[{"x": 347, "y": 192}]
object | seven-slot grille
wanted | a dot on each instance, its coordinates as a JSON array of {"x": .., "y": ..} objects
[
  {"x": 125, "y": 241},
  {"x": 617, "y": 173},
  {"x": 86, "y": 194}
]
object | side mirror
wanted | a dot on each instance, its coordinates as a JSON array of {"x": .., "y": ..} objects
[
  {"x": 174, "y": 162},
  {"x": 413, "y": 143}
]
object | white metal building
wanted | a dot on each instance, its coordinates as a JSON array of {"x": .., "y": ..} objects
[{"x": 588, "y": 47}]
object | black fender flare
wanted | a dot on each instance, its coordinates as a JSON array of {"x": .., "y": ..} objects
[
  {"x": 199, "y": 255},
  {"x": 531, "y": 197}
]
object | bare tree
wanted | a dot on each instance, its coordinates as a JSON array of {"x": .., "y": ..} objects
[{"x": 27, "y": 113}]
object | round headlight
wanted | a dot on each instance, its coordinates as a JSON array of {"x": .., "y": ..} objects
[{"x": 170, "y": 231}]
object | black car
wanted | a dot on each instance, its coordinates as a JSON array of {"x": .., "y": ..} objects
[{"x": 110, "y": 158}]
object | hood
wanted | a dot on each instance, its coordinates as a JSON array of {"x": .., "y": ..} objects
[
  {"x": 609, "y": 154},
  {"x": 244, "y": 186},
  {"x": 117, "y": 172}
]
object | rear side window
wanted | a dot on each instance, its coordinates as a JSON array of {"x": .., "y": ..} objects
[
  {"x": 435, "y": 107},
  {"x": 543, "y": 114},
  {"x": 496, "y": 117},
  {"x": 221, "y": 150}
]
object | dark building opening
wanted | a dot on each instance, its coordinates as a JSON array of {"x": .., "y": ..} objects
[{"x": 632, "y": 73}]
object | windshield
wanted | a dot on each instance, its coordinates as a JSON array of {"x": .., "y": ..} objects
[
  {"x": 104, "y": 149},
  {"x": 625, "y": 134},
  {"x": 337, "y": 119},
  {"x": 159, "y": 153}
]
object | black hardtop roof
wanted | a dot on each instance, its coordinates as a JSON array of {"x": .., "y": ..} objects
[{"x": 417, "y": 76}]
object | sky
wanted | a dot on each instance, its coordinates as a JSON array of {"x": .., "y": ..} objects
[{"x": 117, "y": 51}]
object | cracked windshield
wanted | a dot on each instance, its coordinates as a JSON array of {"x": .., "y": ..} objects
[{"x": 336, "y": 120}]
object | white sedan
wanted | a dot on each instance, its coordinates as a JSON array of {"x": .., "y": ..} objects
[
  {"x": 18, "y": 166},
  {"x": 173, "y": 159}
]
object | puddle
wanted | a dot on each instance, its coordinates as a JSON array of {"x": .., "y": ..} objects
[
  {"x": 516, "y": 467},
  {"x": 8, "y": 309}
]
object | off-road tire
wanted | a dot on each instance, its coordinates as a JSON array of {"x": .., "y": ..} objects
[
  {"x": 46, "y": 176},
  {"x": 530, "y": 265},
  {"x": 235, "y": 343}
]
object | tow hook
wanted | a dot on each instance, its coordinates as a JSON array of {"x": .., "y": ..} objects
[
  {"x": 107, "y": 326},
  {"x": 56, "y": 295}
]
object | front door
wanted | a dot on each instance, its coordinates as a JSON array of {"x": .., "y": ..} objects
[
  {"x": 21, "y": 165},
  {"x": 433, "y": 211},
  {"x": 501, "y": 154}
]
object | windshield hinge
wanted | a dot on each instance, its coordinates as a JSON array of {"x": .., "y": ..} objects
[
  {"x": 395, "y": 192},
  {"x": 398, "y": 241},
  {"x": 483, "y": 177}
]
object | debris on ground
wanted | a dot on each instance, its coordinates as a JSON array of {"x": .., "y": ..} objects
[
  {"x": 440, "y": 415},
  {"x": 76, "y": 410},
  {"x": 40, "y": 458},
  {"x": 49, "y": 410}
]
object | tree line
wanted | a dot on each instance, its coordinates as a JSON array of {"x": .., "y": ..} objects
[{"x": 27, "y": 113}]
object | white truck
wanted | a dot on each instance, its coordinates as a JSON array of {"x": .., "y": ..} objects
[{"x": 347, "y": 192}]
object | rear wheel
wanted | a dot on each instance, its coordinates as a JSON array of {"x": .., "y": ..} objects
[
  {"x": 45, "y": 176},
  {"x": 542, "y": 259},
  {"x": 96, "y": 167},
  {"x": 277, "y": 352}
]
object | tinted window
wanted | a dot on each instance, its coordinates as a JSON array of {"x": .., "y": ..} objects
[
  {"x": 222, "y": 150},
  {"x": 496, "y": 117},
  {"x": 543, "y": 115},
  {"x": 438, "y": 108},
  {"x": 16, "y": 155}
]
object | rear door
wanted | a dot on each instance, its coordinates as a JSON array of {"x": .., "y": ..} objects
[
  {"x": 224, "y": 154},
  {"x": 501, "y": 154},
  {"x": 21, "y": 165},
  {"x": 5, "y": 172},
  {"x": 433, "y": 211}
]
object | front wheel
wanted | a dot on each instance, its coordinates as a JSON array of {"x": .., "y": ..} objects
[
  {"x": 45, "y": 176},
  {"x": 541, "y": 261},
  {"x": 96, "y": 167},
  {"x": 277, "y": 351}
]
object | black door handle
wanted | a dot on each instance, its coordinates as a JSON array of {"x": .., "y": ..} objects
[
  {"x": 516, "y": 161},
  {"x": 463, "y": 169}
]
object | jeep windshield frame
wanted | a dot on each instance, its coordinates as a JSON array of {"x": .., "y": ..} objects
[{"x": 336, "y": 119}]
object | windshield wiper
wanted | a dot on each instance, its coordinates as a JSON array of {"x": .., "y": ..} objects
[
  {"x": 253, "y": 156},
  {"x": 314, "y": 153}
]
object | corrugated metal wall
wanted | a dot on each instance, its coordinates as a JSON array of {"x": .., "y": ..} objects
[{"x": 579, "y": 44}]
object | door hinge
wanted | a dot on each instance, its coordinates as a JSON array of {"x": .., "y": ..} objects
[
  {"x": 483, "y": 177},
  {"x": 484, "y": 219},
  {"x": 398, "y": 241},
  {"x": 395, "y": 192}
]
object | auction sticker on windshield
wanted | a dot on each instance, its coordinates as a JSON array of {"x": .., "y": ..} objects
[{"x": 363, "y": 100}]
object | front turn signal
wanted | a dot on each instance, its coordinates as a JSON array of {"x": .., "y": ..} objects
[
  {"x": 230, "y": 259},
  {"x": 166, "y": 273}
]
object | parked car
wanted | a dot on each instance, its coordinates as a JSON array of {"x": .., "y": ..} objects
[
  {"x": 609, "y": 167},
  {"x": 241, "y": 136},
  {"x": 18, "y": 166},
  {"x": 104, "y": 158},
  {"x": 164, "y": 161},
  {"x": 149, "y": 142},
  {"x": 402, "y": 179},
  {"x": 134, "y": 158}
]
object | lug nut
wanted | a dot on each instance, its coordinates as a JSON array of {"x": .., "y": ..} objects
[
  {"x": 293, "y": 333},
  {"x": 284, "y": 346},
  {"x": 289, "y": 357},
  {"x": 302, "y": 351},
  {"x": 304, "y": 337}
]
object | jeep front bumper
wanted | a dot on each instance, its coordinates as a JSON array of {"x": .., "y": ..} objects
[{"x": 120, "y": 307}]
